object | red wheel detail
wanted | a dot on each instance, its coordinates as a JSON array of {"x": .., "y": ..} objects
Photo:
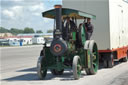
[{"x": 57, "y": 48}]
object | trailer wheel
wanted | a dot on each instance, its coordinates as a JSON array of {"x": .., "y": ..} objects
[
  {"x": 94, "y": 58},
  {"x": 76, "y": 67},
  {"x": 127, "y": 53},
  {"x": 110, "y": 62},
  {"x": 125, "y": 59},
  {"x": 41, "y": 71},
  {"x": 105, "y": 63},
  {"x": 55, "y": 72}
]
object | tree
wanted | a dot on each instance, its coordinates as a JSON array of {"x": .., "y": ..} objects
[
  {"x": 39, "y": 31},
  {"x": 16, "y": 31},
  {"x": 49, "y": 31},
  {"x": 3, "y": 30},
  {"x": 28, "y": 30}
]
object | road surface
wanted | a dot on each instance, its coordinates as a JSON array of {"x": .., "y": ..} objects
[{"x": 18, "y": 67}]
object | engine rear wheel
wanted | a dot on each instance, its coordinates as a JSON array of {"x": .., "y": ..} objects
[{"x": 94, "y": 59}]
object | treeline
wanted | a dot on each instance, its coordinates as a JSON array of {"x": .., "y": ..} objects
[{"x": 16, "y": 31}]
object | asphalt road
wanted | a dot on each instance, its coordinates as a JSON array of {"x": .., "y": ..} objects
[{"x": 18, "y": 67}]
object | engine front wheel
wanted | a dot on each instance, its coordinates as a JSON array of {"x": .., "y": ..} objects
[
  {"x": 76, "y": 67},
  {"x": 41, "y": 71}
]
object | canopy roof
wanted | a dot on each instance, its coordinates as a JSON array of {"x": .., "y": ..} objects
[{"x": 66, "y": 12}]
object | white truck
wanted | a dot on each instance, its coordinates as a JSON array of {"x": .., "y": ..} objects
[{"x": 110, "y": 26}]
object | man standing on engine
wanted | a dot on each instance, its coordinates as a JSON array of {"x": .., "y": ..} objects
[{"x": 89, "y": 28}]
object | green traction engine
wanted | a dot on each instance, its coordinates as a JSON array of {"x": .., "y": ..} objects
[{"x": 69, "y": 47}]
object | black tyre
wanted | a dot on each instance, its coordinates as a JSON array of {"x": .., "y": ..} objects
[
  {"x": 127, "y": 53},
  {"x": 41, "y": 71},
  {"x": 125, "y": 59},
  {"x": 110, "y": 62},
  {"x": 55, "y": 72},
  {"x": 76, "y": 67},
  {"x": 105, "y": 63}
]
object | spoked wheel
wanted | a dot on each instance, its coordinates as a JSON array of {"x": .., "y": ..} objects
[
  {"x": 41, "y": 70},
  {"x": 94, "y": 59},
  {"x": 55, "y": 72},
  {"x": 76, "y": 67}
]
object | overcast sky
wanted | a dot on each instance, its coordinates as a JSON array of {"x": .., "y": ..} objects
[{"x": 26, "y": 13}]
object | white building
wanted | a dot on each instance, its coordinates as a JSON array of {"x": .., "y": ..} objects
[
  {"x": 15, "y": 40},
  {"x": 26, "y": 40}
]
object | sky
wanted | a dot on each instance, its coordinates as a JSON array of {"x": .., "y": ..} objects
[{"x": 26, "y": 13}]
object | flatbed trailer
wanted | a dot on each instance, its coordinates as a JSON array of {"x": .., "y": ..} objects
[{"x": 110, "y": 27}]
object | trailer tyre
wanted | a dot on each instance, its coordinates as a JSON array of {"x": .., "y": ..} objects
[
  {"x": 127, "y": 54},
  {"x": 125, "y": 59},
  {"x": 76, "y": 67},
  {"x": 105, "y": 63},
  {"x": 110, "y": 62}
]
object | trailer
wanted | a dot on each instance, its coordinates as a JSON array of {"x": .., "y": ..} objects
[{"x": 110, "y": 27}]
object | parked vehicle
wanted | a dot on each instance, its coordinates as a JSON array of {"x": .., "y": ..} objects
[
  {"x": 4, "y": 42},
  {"x": 38, "y": 39}
]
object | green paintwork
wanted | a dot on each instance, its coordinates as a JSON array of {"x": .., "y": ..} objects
[
  {"x": 74, "y": 35},
  {"x": 68, "y": 12},
  {"x": 71, "y": 46},
  {"x": 95, "y": 58},
  {"x": 88, "y": 59},
  {"x": 78, "y": 69},
  {"x": 83, "y": 34}
]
